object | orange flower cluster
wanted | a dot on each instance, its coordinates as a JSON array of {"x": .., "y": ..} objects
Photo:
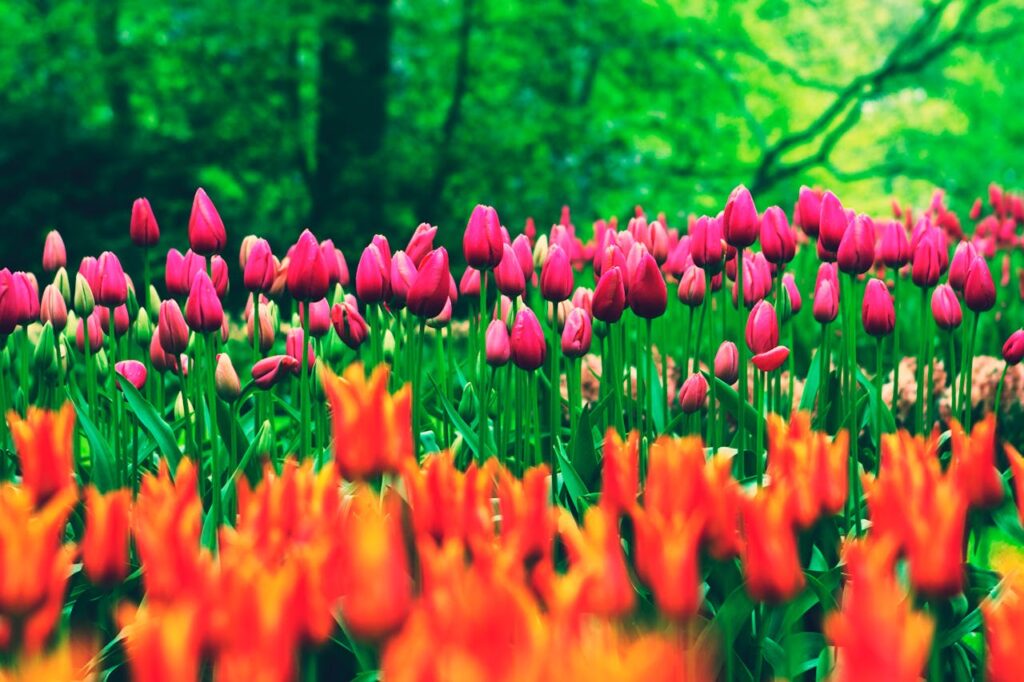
[
  {"x": 922, "y": 509},
  {"x": 1004, "y": 619},
  {"x": 878, "y": 634}
]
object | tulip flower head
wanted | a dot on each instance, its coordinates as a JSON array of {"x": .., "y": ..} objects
[
  {"x": 1013, "y": 348},
  {"x": 706, "y": 245},
  {"x": 350, "y": 326},
  {"x": 576, "y": 334},
  {"x": 498, "y": 350},
  {"x": 963, "y": 257},
  {"x": 132, "y": 370},
  {"x": 203, "y": 309},
  {"x": 693, "y": 393},
  {"x": 509, "y": 274},
  {"x": 259, "y": 269},
  {"x": 762, "y": 333},
  {"x": 893, "y": 249},
  {"x": 727, "y": 361},
  {"x": 429, "y": 292},
  {"x": 777, "y": 242},
  {"x": 878, "y": 313},
  {"x": 946, "y": 307},
  {"x": 556, "y": 279},
  {"x": 143, "y": 228},
  {"x": 740, "y": 223},
  {"x": 308, "y": 277},
  {"x": 979, "y": 289},
  {"x": 226, "y": 379},
  {"x": 809, "y": 210},
  {"x": 421, "y": 243},
  {"x": 648, "y": 295},
  {"x": 609, "y": 296},
  {"x": 268, "y": 372},
  {"x": 826, "y": 301},
  {"x": 112, "y": 287},
  {"x": 832, "y": 222},
  {"x": 482, "y": 241},
  {"x": 528, "y": 346},
  {"x": 856, "y": 253},
  {"x": 692, "y": 286},
  {"x": 373, "y": 276},
  {"x": 55, "y": 255},
  {"x": 206, "y": 234}
]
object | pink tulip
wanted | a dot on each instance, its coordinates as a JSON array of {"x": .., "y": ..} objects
[
  {"x": 727, "y": 362},
  {"x": 482, "y": 241},
  {"x": 259, "y": 270},
  {"x": 293, "y": 347},
  {"x": 877, "y": 312},
  {"x": 112, "y": 289},
  {"x": 132, "y": 370},
  {"x": 706, "y": 245},
  {"x": 789, "y": 286},
  {"x": 777, "y": 242},
  {"x": 979, "y": 289},
  {"x": 469, "y": 285},
  {"x": 160, "y": 359},
  {"x": 373, "y": 276},
  {"x": 53, "y": 309},
  {"x": 524, "y": 254},
  {"x": 203, "y": 309},
  {"x": 55, "y": 255},
  {"x": 266, "y": 341},
  {"x": 509, "y": 275},
  {"x": 856, "y": 253},
  {"x": 576, "y": 334},
  {"x": 498, "y": 348},
  {"x": 809, "y": 208},
  {"x": 308, "y": 276},
  {"x": 267, "y": 372},
  {"x": 206, "y": 233},
  {"x": 429, "y": 292},
  {"x": 762, "y": 331},
  {"x": 893, "y": 249},
  {"x": 609, "y": 298},
  {"x": 421, "y": 243},
  {"x": 172, "y": 328},
  {"x": 319, "y": 317},
  {"x": 693, "y": 394},
  {"x": 95, "y": 331},
  {"x": 1013, "y": 349},
  {"x": 946, "y": 307},
  {"x": 740, "y": 224},
  {"x": 771, "y": 359},
  {"x": 556, "y": 279},
  {"x": 692, "y": 286},
  {"x": 832, "y": 222},
  {"x": 403, "y": 274},
  {"x": 143, "y": 229},
  {"x": 349, "y": 325},
  {"x": 528, "y": 347},
  {"x": 648, "y": 296}
]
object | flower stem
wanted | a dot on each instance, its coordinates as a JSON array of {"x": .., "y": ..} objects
[
  {"x": 303, "y": 387},
  {"x": 215, "y": 461},
  {"x": 741, "y": 344}
]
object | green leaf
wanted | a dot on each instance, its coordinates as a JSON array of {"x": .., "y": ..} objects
[
  {"x": 730, "y": 620},
  {"x": 971, "y": 622},
  {"x": 730, "y": 400},
  {"x": 154, "y": 424},
  {"x": 874, "y": 402},
  {"x": 469, "y": 435},
  {"x": 811, "y": 385},
  {"x": 575, "y": 486},
  {"x": 824, "y": 666},
  {"x": 101, "y": 469},
  {"x": 583, "y": 448}
]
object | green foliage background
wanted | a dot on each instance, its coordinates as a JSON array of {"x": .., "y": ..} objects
[{"x": 360, "y": 117}]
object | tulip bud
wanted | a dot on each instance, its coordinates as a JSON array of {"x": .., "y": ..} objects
[
  {"x": 63, "y": 286},
  {"x": 577, "y": 334},
  {"x": 777, "y": 243},
  {"x": 132, "y": 370},
  {"x": 856, "y": 251},
  {"x": 349, "y": 325},
  {"x": 84, "y": 302},
  {"x": 172, "y": 329},
  {"x": 877, "y": 311},
  {"x": 648, "y": 296},
  {"x": 832, "y": 222},
  {"x": 268, "y": 372},
  {"x": 528, "y": 347},
  {"x": 979, "y": 289},
  {"x": 809, "y": 208},
  {"x": 693, "y": 393},
  {"x": 692, "y": 286},
  {"x": 179, "y": 408},
  {"x": 727, "y": 362},
  {"x": 706, "y": 246},
  {"x": 89, "y": 326},
  {"x": 421, "y": 243},
  {"x": 373, "y": 276},
  {"x": 540, "y": 251},
  {"x": 54, "y": 254},
  {"x": 482, "y": 241},
  {"x": 509, "y": 274},
  {"x": 44, "y": 357},
  {"x": 740, "y": 224},
  {"x": 429, "y": 292},
  {"x": 1013, "y": 349},
  {"x": 946, "y": 307},
  {"x": 609, "y": 296},
  {"x": 203, "y": 309},
  {"x": 894, "y": 250},
  {"x": 206, "y": 233},
  {"x": 791, "y": 294},
  {"x": 226, "y": 379},
  {"x": 556, "y": 279},
  {"x": 52, "y": 309},
  {"x": 524, "y": 254},
  {"x": 143, "y": 229},
  {"x": 113, "y": 288},
  {"x": 926, "y": 268},
  {"x": 469, "y": 284},
  {"x": 319, "y": 317},
  {"x": 826, "y": 301},
  {"x": 498, "y": 350},
  {"x": 308, "y": 278},
  {"x": 266, "y": 328},
  {"x": 403, "y": 274},
  {"x": 762, "y": 331}
]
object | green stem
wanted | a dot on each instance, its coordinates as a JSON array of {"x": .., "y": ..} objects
[
  {"x": 968, "y": 384},
  {"x": 741, "y": 344},
  {"x": 215, "y": 460},
  {"x": 305, "y": 449},
  {"x": 919, "y": 407},
  {"x": 879, "y": 406},
  {"x": 115, "y": 431},
  {"x": 896, "y": 347}
]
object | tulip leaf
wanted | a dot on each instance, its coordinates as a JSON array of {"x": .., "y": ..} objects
[
  {"x": 730, "y": 400},
  {"x": 575, "y": 486},
  {"x": 583, "y": 448},
  {"x": 154, "y": 424},
  {"x": 467, "y": 432},
  {"x": 228, "y": 422},
  {"x": 777, "y": 657},
  {"x": 730, "y": 620},
  {"x": 208, "y": 538},
  {"x": 971, "y": 622},
  {"x": 875, "y": 401},
  {"x": 812, "y": 383},
  {"x": 101, "y": 460},
  {"x": 824, "y": 665}
]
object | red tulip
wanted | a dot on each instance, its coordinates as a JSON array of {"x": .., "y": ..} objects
[
  {"x": 693, "y": 393},
  {"x": 832, "y": 222},
  {"x": 727, "y": 362},
  {"x": 692, "y": 286},
  {"x": 809, "y": 208},
  {"x": 609, "y": 298},
  {"x": 293, "y": 347},
  {"x": 181, "y": 270},
  {"x": 498, "y": 349},
  {"x": 132, "y": 370},
  {"x": 509, "y": 274},
  {"x": 349, "y": 325},
  {"x": 95, "y": 331},
  {"x": 826, "y": 301},
  {"x": 706, "y": 247},
  {"x": 894, "y": 250},
  {"x": 576, "y": 334},
  {"x": 524, "y": 254},
  {"x": 206, "y": 233},
  {"x": 53, "y": 309},
  {"x": 1013, "y": 349},
  {"x": 259, "y": 270},
  {"x": 648, "y": 296},
  {"x": 777, "y": 243},
  {"x": 762, "y": 332},
  {"x": 421, "y": 243},
  {"x": 143, "y": 229},
  {"x": 877, "y": 312},
  {"x": 429, "y": 292},
  {"x": 856, "y": 252},
  {"x": 528, "y": 347},
  {"x": 319, "y": 317},
  {"x": 946, "y": 307},
  {"x": 161, "y": 360},
  {"x": 203, "y": 309},
  {"x": 403, "y": 274},
  {"x": 469, "y": 285},
  {"x": 927, "y": 265},
  {"x": 121, "y": 320},
  {"x": 219, "y": 269},
  {"x": 979, "y": 289},
  {"x": 269, "y": 371},
  {"x": 55, "y": 256},
  {"x": 172, "y": 329},
  {"x": 308, "y": 276},
  {"x": 482, "y": 240},
  {"x": 556, "y": 280},
  {"x": 771, "y": 359},
  {"x": 740, "y": 224},
  {"x": 963, "y": 256},
  {"x": 373, "y": 276},
  {"x": 112, "y": 287},
  {"x": 789, "y": 286}
]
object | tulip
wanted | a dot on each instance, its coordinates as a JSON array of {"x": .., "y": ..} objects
[
  {"x": 143, "y": 229},
  {"x": 894, "y": 250},
  {"x": 132, "y": 370},
  {"x": 259, "y": 270},
  {"x": 266, "y": 328},
  {"x": 576, "y": 335},
  {"x": 527, "y": 343},
  {"x": 206, "y": 233},
  {"x": 762, "y": 333},
  {"x": 777, "y": 243},
  {"x": 105, "y": 542},
  {"x": 877, "y": 312},
  {"x": 219, "y": 271},
  {"x": 121, "y": 319},
  {"x": 792, "y": 294},
  {"x": 771, "y": 359},
  {"x": 648, "y": 296},
  {"x": 856, "y": 252},
  {"x": 172, "y": 328},
  {"x": 55, "y": 256},
  {"x": 692, "y": 286},
  {"x": 337, "y": 268},
  {"x": 946, "y": 307},
  {"x": 96, "y": 337},
  {"x": 469, "y": 284},
  {"x": 203, "y": 309},
  {"x": 373, "y": 276},
  {"x": 524, "y": 254},
  {"x": 267, "y": 372},
  {"x": 482, "y": 241},
  {"x": 443, "y": 318},
  {"x": 319, "y": 317},
  {"x": 277, "y": 288},
  {"x": 583, "y": 298},
  {"x": 609, "y": 296},
  {"x": 421, "y": 243},
  {"x": 429, "y": 292},
  {"x": 112, "y": 289},
  {"x": 963, "y": 257},
  {"x": 52, "y": 309},
  {"x": 509, "y": 275},
  {"x": 727, "y": 361},
  {"x": 809, "y": 208},
  {"x": 10, "y": 303},
  {"x": 308, "y": 276},
  {"x": 349, "y": 325},
  {"x": 979, "y": 289},
  {"x": 740, "y": 224},
  {"x": 181, "y": 270},
  {"x": 926, "y": 265},
  {"x": 498, "y": 350},
  {"x": 693, "y": 393},
  {"x": 161, "y": 360},
  {"x": 556, "y": 280},
  {"x": 826, "y": 302},
  {"x": 403, "y": 274},
  {"x": 1013, "y": 348},
  {"x": 706, "y": 246},
  {"x": 679, "y": 258},
  {"x": 832, "y": 222},
  {"x": 293, "y": 347}
]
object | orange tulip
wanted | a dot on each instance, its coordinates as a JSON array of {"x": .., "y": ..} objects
[
  {"x": 105, "y": 543},
  {"x": 1017, "y": 467},
  {"x": 162, "y": 641},
  {"x": 1004, "y": 620},
  {"x": 43, "y": 442},
  {"x": 974, "y": 463},
  {"x": 770, "y": 560},
  {"x": 596, "y": 562},
  {"x": 372, "y": 429},
  {"x": 812, "y": 464},
  {"x": 667, "y": 551},
  {"x": 620, "y": 471}
]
